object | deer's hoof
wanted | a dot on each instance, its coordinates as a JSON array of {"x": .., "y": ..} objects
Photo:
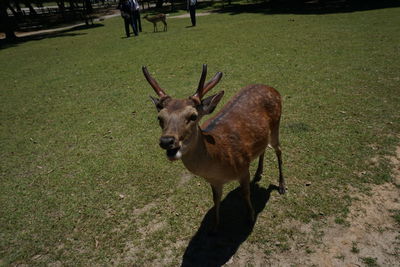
[
  {"x": 282, "y": 190},
  {"x": 257, "y": 178}
]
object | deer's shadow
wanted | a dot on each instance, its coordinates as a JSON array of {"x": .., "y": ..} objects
[{"x": 207, "y": 249}]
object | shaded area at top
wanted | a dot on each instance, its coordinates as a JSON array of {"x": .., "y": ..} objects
[
  {"x": 308, "y": 7},
  {"x": 67, "y": 32}
]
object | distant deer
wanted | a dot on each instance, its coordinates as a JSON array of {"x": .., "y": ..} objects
[
  {"x": 221, "y": 149},
  {"x": 157, "y": 18}
]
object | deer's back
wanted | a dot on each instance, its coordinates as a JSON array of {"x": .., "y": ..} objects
[{"x": 241, "y": 129}]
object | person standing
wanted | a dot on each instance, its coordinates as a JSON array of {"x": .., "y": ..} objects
[
  {"x": 192, "y": 9},
  {"x": 136, "y": 15},
  {"x": 133, "y": 18},
  {"x": 126, "y": 14}
]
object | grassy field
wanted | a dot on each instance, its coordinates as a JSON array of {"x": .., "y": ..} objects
[{"x": 84, "y": 182}]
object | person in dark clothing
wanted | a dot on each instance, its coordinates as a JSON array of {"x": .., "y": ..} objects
[
  {"x": 192, "y": 9},
  {"x": 126, "y": 14},
  {"x": 136, "y": 14}
]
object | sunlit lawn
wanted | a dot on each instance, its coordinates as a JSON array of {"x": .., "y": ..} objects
[{"x": 84, "y": 182}]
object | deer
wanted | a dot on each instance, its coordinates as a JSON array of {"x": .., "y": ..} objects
[
  {"x": 221, "y": 149},
  {"x": 157, "y": 18}
]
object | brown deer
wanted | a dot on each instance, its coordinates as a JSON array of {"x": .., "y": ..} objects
[
  {"x": 157, "y": 18},
  {"x": 221, "y": 149}
]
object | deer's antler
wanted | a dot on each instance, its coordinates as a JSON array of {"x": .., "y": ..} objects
[
  {"x": 203, "y": 89},
  {"x": 202, "y": 78},
  {"x": 159, "y": 91}
]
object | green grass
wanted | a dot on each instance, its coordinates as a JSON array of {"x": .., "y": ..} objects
[
  {"x": 83, "y": 181},
  {"x": 370, "y": 262},
  {"x": 354, "y": 248}
]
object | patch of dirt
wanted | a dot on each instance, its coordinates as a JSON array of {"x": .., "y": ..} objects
[
  {"x": 145, "y": 209},
  {"x": 372, "y": 234},
  {"x": 188, "y": 15},
  {"x": 185, "y": 178},
  {"x": 395, "y": 160},
  {"x": 152, "y": 227}
]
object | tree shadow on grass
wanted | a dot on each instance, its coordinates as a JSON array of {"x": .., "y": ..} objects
[
  {"x": 307, "y": 7},
  {"x": 215, "y": 250},
  {"x": 50, "y": 34}
]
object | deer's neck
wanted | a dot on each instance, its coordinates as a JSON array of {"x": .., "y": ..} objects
[{"x": 197, "y": 157}]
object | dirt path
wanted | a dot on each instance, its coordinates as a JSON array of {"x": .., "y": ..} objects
[
  {"x": 373, "y": 234},
  {"x": 371, "y": 239},
  {"x": 115, "y": 13}
]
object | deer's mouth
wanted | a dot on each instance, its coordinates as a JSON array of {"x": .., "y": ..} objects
[{"x": 174, "y": 153}]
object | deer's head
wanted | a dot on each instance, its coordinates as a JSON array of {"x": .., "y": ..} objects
[{"x": 179, "y": 118}]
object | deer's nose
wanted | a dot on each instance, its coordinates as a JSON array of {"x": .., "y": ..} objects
[{"x": 167, "y": 142}]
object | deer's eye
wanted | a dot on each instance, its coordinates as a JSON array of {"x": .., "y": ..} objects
[{"x": 192, "y": 117}]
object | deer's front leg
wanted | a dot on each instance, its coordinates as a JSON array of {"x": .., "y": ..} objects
[
  {"x": 217, "y": 194},
  {"x": 245, "y": 187},
  {"x": 282, "y": 187},
  {"x": 258, "y": 175}
]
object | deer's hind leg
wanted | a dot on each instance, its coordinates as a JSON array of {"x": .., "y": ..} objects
[
  {"x": 165, "y": 26},
  {"x": 274, "y": 143},
  {"x": 260, "y": 168}
]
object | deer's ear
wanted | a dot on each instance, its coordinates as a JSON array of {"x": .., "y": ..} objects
[
  {"x": 157, "y": 103},
  {"x": 209, "y": 104}
]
